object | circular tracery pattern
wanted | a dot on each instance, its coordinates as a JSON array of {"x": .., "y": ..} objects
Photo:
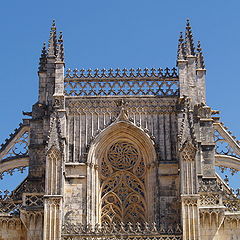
[
  {"x": 123, "y": 191},
  {"x": 122, "y": 155}
]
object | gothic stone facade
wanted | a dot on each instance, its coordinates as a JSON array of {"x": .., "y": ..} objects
[{"x": 127, "y": 154}]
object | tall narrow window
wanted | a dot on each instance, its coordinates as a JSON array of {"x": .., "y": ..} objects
[{"x": 123, "y": 194}]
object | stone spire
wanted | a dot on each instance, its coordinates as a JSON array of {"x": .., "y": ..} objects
[
  {"x": 60, "y": 48},
  {"x": 189, "y": 44},
  {"x": 181, "y": 54},
  {"x": 43, "y": 59},
  {"x": 52, "y": 43},
  {"x": 200, "y": 59}
]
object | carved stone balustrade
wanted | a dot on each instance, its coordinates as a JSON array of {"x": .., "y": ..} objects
[
  {"x": 122, "y": 231},
  {"x": 122, "y": 82}
]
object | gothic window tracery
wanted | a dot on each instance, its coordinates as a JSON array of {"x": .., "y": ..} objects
[{"x": 123, "y": 191}]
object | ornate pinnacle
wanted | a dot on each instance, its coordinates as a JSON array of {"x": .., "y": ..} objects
[
  {"x": 200, "y": 59},
  {"x": 60, "y": 39},
  {"x": 60, "y": 48},
  {"x": 52, "y": 43},
  {"x": 189, "y": 40},
  {"x": 43, "y": 59},
  {"x": 181, "y": 54},
  {"x": 53, "y": 28}
]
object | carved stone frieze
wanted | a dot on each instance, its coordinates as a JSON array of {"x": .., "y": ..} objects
[
  {"x": 190, "y": 200},
  {"x": 212, "y": 210},
  {"x": 33, "y": 200},
  {"x": 10, "y": 222},
  {"x": 53, "y": 200},
  {"x": 131, "y": 105},
  {"x": 128, "y": 229},
  {"x": 188, "y": 152},
  {"x": 59, "y": 102},
  {"x": 209, "y": 199},
  {"x": 150, "y": 82},
  {"x": 142, "y": 237},
  {"x": 209, "y": 185}
]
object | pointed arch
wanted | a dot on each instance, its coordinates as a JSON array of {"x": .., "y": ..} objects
[
  {"x": 122, "y": 153},
  {"x": 123, "y": 130}
]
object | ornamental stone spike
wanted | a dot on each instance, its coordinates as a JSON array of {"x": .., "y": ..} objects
[
  {"x": 43, "y": 59},
  {"x": 59, "y": 73},
  {"x": 52, "y": 43},
  {"x": 42, "y": 74},
  {"x": 181, "y": 54},
  {"x": 60, "y": 48},
  {"x": 189, "y": 43},
  {"x": 182, "y": 67},
  {"x": 200, "y": 75},
  {"x": 200, "y": 59}
]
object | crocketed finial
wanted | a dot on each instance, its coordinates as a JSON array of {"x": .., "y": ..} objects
[
  {"x": 43, "y": 59},
  {"x": 181, "y": 54},
  {"x": 60, "y": 48},
  {"x": 52, "y": 43},
  {"x": 189, "y": 39},
  {"x": 53, "y": 28},
  {"x": 200, "y": 59}
]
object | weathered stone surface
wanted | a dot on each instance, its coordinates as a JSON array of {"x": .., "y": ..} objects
[{"x": 104, "y": 164}]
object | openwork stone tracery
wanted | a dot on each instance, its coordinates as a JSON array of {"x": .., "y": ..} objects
[
  {"x": 123, "y": 195},
  {"x": 121, "y": 154}
]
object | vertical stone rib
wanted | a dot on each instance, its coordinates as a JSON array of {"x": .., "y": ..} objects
[
  {"x": 68, "y": 139},
  {"x": 74, "y": 139},
  {"x": 86, "y": 129},
  {"x": 89, "y": 192},
  {"x": 80, "y": 136},
  {"x": 92, "y": 124},
  {"x": 98, "y": 121},
  {"x": 146, "y": 120},
  {"x": 50, "y": 179},
  {"x": 162, "y": 137},
  {"x": 71, "y": 143},
  {"x": 157, "y": 132},
  {"x": 104, "y": 119},
  {"x": 168, "y": 136}
]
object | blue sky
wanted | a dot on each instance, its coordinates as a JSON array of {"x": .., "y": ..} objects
[{"x": 114, "y": 33}]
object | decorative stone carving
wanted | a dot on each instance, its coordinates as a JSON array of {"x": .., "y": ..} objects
[
  {"x": 123, "y": 189},
  {"x": 127, "y": 230},
  {"x": 209, "y": 199}
]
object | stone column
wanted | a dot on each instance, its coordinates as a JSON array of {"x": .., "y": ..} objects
[
  {"x": 190, "y": 217},
  {"x": 52, "y": 217},
  {"x": 53, "y": 197},
  {"x": 189, "y": 196}
]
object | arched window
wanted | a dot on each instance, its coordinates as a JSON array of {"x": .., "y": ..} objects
[{"x": 122, "y": 181}]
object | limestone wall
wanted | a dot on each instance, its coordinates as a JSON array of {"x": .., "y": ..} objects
[{"x": 86, "y": 119}]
